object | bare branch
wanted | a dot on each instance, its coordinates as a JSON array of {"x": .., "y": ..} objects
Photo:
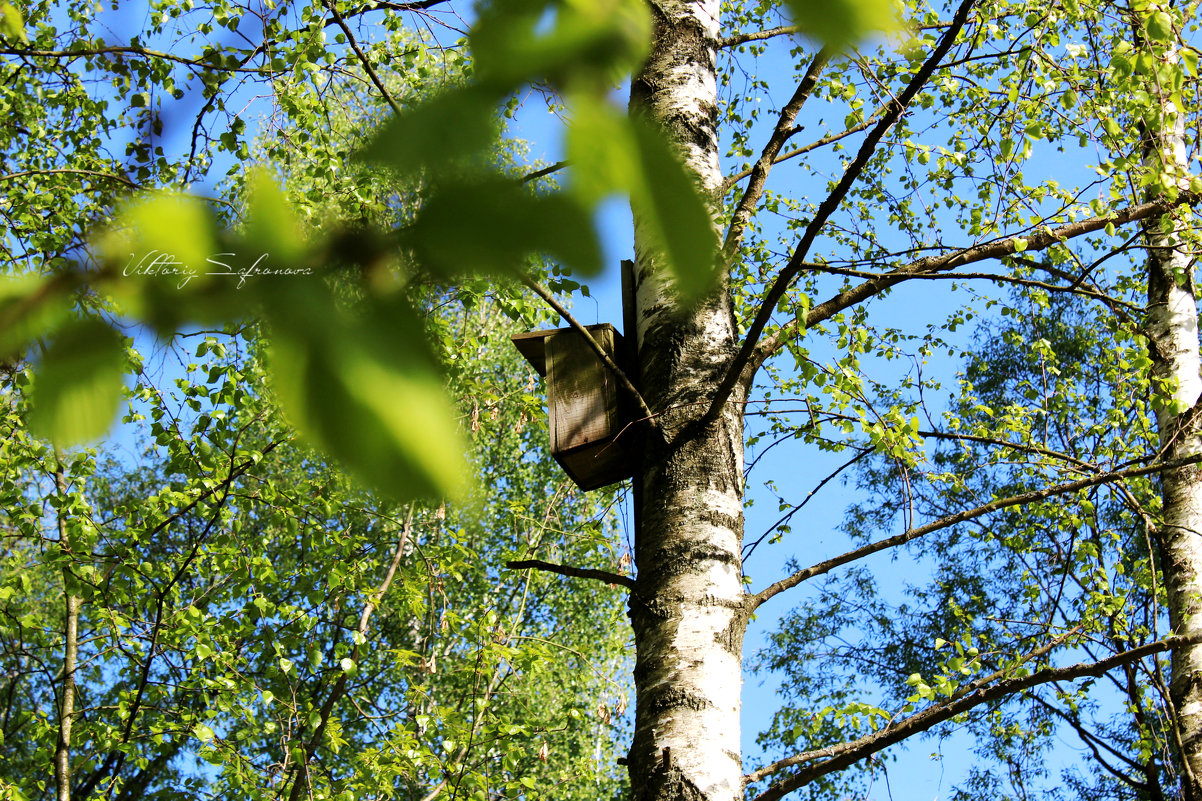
[
  {"x": 545, "y": 171},
  {"x": 754, "y": 601},
  {"x": 756, "y": 36},
  {"x": 975, "y": 694},
  {"x": 735, "y": 372},
  {"x": 572, "y": 572}
]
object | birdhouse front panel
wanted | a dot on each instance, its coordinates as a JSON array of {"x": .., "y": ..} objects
[
  {"x": 587, "y": 408},
  {"x": 581, "y": 394}
]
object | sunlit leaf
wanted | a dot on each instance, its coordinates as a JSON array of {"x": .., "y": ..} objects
[
  {"x": 364, "y": 388},
  {"x": 78, "y": 384},
  {"x": 12, "y": 25}
]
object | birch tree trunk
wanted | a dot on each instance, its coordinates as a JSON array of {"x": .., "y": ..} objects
[
  {"x": 1177, "y": 385},
  {"x": 688, "y": 607}
]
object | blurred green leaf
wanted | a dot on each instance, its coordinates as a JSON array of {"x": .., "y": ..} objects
[
  {"x": 602, "y": 149},
  {"x": 272, "y": 226},
  {"x": 78, "y": 383},
  {"x": 675, "y": 213},
  {"x": 173, "y": 231},
  {"x": 441, "y": 131},
  {"x": 838, "y": 24},
  {"x": 493, "y": 225},
  {"x": 593, "y": 42},
  {"x": 364, "y": 387},
  {"x": 12, "y": 25},
  {"x": 28, "y": 310}
]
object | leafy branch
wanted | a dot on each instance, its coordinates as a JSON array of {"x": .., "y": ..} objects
[
  {"x": 756, "y": 600},
  {"x": 967, "y": 698}
]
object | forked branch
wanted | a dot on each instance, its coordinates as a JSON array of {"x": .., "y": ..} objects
[{"x": 789, "y": 273}]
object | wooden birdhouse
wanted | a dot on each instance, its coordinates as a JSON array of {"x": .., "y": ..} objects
[{"x": 587, "y": 407}]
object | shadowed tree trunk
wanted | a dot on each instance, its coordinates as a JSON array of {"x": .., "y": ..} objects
[{"x": 688, "y": 607}]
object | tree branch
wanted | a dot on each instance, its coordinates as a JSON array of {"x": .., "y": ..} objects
[
  {"x": 736, "y": 372},
  {"x": 755, "y": 601},
  {"x": 367, "y": 67},
  {"x": 996, "y": 249},
  {"x": 572, "y": 572},
  {"x": 12, "y": 176},
  {"x": 545, "y": 171},
  {"x": 756, "y": 36},
  {"x": 759, "y": 173},
  {"x": 975, "y": 694}
]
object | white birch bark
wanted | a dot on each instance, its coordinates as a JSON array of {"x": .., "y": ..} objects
[
  {"x": 1177, "y": 385},
  {"x": 688, "y": 607}
]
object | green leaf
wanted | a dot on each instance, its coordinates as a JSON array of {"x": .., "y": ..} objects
[
  {"x": 365, "y": 389},
  {"x": 271, "y": 225},
  {"x": 173, "y": 231},
  {"x": 677, "y": 217},
  {"x": 493, "y": 225},
  {"x": 29, "y": 308},
  {"x": 12, "y": 25},
  {"x": 438, "y": 133},
  {"x": 592, "y": 41},
  {"x": 603, "y": 151},
  {"x": 1159, "y": 26},
  {"x": 203, "y": 733},
  {"x": 838, "y": 24},
  {"x": 78, "y": 384}
]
